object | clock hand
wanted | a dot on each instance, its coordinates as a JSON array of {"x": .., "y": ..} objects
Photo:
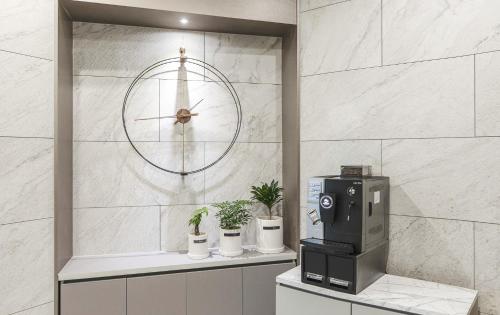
[
  {"x": 188, "y": 114},
  {"x": 160, "y": 117},
  {"x": 183, "y": 149},
  {"x": 192, "y": 107},
  {"x": 171, "y": 116}
]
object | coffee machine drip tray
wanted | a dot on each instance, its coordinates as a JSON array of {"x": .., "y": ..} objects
[
  {"x": 336, "y": 266},
  {"x": 330, "y": 246}
]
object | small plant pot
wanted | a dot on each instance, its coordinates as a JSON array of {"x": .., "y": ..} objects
[
  {"x": 230, "y": 243},
  {"x": 198, "y": 246},
  {"x": 270, "y": 235}
]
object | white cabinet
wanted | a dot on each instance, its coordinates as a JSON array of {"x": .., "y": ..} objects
[
  {"x": 295, "y": 302},
  {"x": 365, "y": 310},
  {"x": 290, "y": 301}
]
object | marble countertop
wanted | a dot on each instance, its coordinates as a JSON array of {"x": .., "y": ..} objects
[
  {"x": 88, "y": 267},
  {"x": 399, "y": 294}
]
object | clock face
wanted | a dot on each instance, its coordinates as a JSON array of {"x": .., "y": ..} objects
[{"x": 196, "y": 105}]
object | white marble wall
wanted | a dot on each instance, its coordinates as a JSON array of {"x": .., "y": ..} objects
[
  {"x": 26, "y": 156},
  {"x": 124, "y": 205},
  {"x": 412, "y": 88}
]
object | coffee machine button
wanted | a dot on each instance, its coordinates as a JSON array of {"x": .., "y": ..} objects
[
  {"x": 351, "y": 191},
  {"x": 326, "y": 202}
]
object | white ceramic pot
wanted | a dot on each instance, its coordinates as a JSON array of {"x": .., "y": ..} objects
[
  {"x": 230, "y": 242},
  {"x": 198, "y": 246},
  {"x": 270, "y": 235}
]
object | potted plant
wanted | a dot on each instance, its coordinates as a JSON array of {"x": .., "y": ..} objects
[
  {"x": 269, "y": 227},
  {"x": 198, "y": 241},
  {"x": 232, "y": 215}
]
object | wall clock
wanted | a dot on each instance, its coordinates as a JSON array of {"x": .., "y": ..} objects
[{"x": 197, "y": 105}]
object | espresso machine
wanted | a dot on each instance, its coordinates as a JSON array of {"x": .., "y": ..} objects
[{"x": 347, "y": 230}]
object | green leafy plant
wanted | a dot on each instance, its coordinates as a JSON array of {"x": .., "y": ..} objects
[
  {"x": 268, "y": 194},
  {"x": 233, "y": 214},
  {"x": 196, "y": 219}
]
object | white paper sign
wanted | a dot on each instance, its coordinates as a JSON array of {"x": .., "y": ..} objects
[{"x": 376, "y": 197}]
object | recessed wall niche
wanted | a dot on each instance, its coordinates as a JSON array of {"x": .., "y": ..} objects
[{"x": 121, "y": 203}]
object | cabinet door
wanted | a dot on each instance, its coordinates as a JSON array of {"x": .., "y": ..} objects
[
  {"x": 104, "y": 297},
  {"x": 365, "y": 310},
  {"x": 214, "y": 292},
  {"x": 259, "y": 288},
  {"x": 295, "y": 302},
  {"x": 157, "y": 295}
]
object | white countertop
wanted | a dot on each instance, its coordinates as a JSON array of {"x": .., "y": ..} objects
[
  {"x": 399, "y": 294},
  {"x": 87, "y": 267}
]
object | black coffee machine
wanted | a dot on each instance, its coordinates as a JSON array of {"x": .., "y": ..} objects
[{"x": 347, "y": 230}]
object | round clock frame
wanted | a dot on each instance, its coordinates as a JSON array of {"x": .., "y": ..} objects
[{"x": 181, "y": 114}]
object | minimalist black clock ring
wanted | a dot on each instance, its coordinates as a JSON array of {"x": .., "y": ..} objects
[{"x": 183, "y": 114}]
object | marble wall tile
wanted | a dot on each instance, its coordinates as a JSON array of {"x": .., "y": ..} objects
[
  {"x": 249, "y": 231},
  {"x": 444, "y": 178},
  {"x": 26, "y": 96},
  {"x": 305, "y": 5},
  {"x": 124, "y": 51},
  {"x": 97, "y": 109},
  {"x": 99, "y": 231},
  {"x": 245, "y": 165},
  {"x": 211, "y": 225},
  {"x": 428, "y": 99},
  {"x": 111, "y": 174},
  {"x": 422, "y": 30},
  {"x": 325, "y": 158},
  {"x": 26, "y": 179},
  {"x": 432, "y": 249},
  {"x": 175, "y": 227},
  {"x": 217, "y": 120},
  {"x": 487, "y": 257},
  {"x": 339, "y": 37},
  {"x": 488, "y": 94},
  {"x": 244, "y": 58},
  {"x": 44, "y": 309},
  {"x": 261, "y": 106},
  {"x": 27, "y": 275},
  {"x": 27, "y": 27}
]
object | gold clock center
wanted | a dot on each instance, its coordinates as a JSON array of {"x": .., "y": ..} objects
[{"x": 183, "y": 115}]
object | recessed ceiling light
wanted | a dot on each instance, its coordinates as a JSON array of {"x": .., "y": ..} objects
[{"x": 184, "y": 21}]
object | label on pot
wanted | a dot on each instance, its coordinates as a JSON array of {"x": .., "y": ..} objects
[
  {"x": 232, "y": 234},
  {"x": 271, "y": 227},
  {"x": 199, "y": 241}
]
